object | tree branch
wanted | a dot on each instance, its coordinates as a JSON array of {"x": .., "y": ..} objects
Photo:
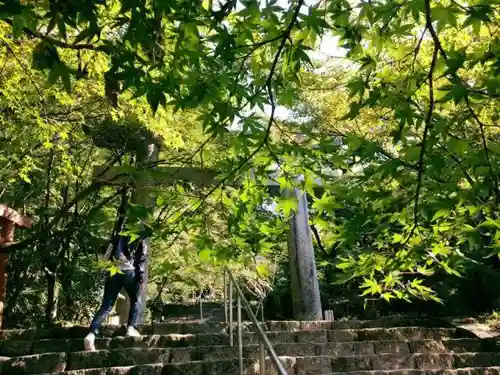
[
  {"x": 428, "y": 118},
  {"x": 318, "y": 240}
]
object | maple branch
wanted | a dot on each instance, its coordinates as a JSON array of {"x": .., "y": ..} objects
[{"x": 428, "y": 119}]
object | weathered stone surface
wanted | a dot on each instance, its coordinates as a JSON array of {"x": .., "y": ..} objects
[
  {"x": 404, "y": 333},
  {"x": 342, "y": 335},
  {"x": 464, "y": 345},
  {"x": 352, "y": 363},
  {"x": 392, "y": 362},
  {"x": 177, "y": 340},
  {"x": 138, "y": 356},
  {"x": 377, "y": 334},
  {"x": 52, "y": 346},
  {"x": 167, "y": 328},
  {"x": 228, "y": 367},
  {"x": 383, "y": 347},
  {"x": 245, "y": 327},
  {"x": 281, "y": 336},
  {"x": 443, "y": 333},
  {"x": 94, "y": 371},
  {"x": 214, "y": 353},
  {"x": 347, "y": 324},
  {"x": 290, "y": 326},
  {"x": 315, "y": 325},
  {"x": 217, "y": 339},
  {"x": 477, "y": 330},
  {"x": 146, "y": 329},
  {"x": 101, "y": 343},
  {"x": 34, "y": 364},
  {"x": 186, "y": 354},
  {"x": 427, "y": 346},
  {"x": 296, "y": 350},
  {"x": 83, "y": 360},
  {"x": 65, "y": 332},
  {"x": 152, "y": 369},
  {"x": 18, "y": 334},
  {"x": 334, "y": 349},
  {"x": 476, "y": 359},
  {"x": 249, "y": 338},
  {"x": 433, "y": 361},
  {"x": 195, "y": 328},
  {"x": 188, "y": 368},
  {"x": 313, "y": 365},
  {"x": 316, "y": 336},
  {"x": 152, "y": 341},
  {"x": 479, "y": 371},
  {"x": 289, "y": 363},
  {"x": 16, "y": 348}
]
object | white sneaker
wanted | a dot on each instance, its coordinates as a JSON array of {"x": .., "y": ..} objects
[
  {"x": 89, "y": 342},
  {"x": 132, "y": 332}
]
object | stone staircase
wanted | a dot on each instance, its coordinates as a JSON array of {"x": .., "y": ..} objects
[{"x": 383, "y": 347}]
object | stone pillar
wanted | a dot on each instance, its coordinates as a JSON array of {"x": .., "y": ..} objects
[
  {"x": 141, "y": 195},
  {"x": 303, "y": 275}
]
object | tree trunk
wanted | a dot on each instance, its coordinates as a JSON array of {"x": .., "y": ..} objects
[{"x": 52, "y": 294}]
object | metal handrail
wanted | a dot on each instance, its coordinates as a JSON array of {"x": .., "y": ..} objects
[{"x": 264, "y": 342}]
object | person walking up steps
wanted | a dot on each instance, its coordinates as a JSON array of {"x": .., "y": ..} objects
[{"x": 131, "y": 259}]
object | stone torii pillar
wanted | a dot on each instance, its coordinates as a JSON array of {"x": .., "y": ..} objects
[{"x": 9, "y": 219}]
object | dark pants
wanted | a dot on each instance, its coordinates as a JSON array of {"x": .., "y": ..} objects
[{"x": 112, "y": 288}]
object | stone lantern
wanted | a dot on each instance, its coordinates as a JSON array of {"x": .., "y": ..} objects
[{"x": 9, "y": 219}]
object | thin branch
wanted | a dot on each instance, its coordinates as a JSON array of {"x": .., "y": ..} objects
[
  {"x": 25, "y": 68},
  {"x": 428, "y": 118},
  {"x": 485, "y": 147},
  {"x": 318, "y": 240},
  {"x": 438, "y": 45}
]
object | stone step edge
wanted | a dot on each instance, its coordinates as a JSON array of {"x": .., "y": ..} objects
[
  {"x": 464, "y": 370},
  {"x": 281, "y": 345},
  {"x": 119, "y": 332},
  {"x": 272, "y": 325},
  {"x": 422, "y": 342},
  {"x": 327, "y": 357},
  {"x": 288, "y": 361},
  {"x": 16, "y": 348}
]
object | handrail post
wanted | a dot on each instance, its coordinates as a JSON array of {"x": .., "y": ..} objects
[
  {"x": 201, "y": 307},
  {"x": 262, "y": 349},
  {"x": 231, "y": 333},
  {"x": 267, "y": 343},
  {"x": 262, "y": 355},
  {"x": 240, "y": 337},
  {"x": 225, "y": 296}
]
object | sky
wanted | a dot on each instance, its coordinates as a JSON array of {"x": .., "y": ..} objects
[{"x": 328, "y": 48}]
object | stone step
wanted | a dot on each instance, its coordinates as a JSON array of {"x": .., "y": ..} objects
[
  {"x": 16, "y": 347},
  {"x": 315, "y": 339},
  {"x": 309, "y": 362},
  {"x": 302, "y": 366},
  {"x": 462, "y": 371},
  {"x": 22, "y": 345},
  {"x": 217, "y": 327}
]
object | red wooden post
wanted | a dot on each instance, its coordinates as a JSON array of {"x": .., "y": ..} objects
[{"x": 9, "y": 218}]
